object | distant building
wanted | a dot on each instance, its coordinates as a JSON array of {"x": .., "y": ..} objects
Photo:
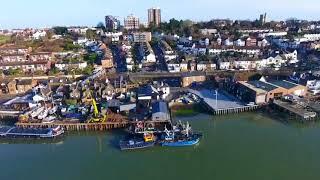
[
  {"x": 154, "y": 16},
  {"x": 263, "y": 18},
  {"x": 112, "y": 23},
  {"x": 131, "y": 22},
  {"x": 142, "y": 37}
]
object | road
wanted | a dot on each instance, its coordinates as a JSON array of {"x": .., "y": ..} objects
[
  {"x": 161, "y": 62},
  {"x": 119, "y": 59}
]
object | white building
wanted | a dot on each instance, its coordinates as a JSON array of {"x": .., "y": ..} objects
[
  {"x": 39, "y": 34},
  {"x": 239, "y": 42},
  {"x": 63, "y": 66},
  {"x": 224, "y": 65}
]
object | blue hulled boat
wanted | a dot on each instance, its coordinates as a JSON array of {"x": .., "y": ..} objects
[
  {"x": 191, "y": 141},
  {"x": 180, "y": 139}
]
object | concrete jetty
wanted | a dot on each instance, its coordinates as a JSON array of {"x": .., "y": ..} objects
[
  {"x": 221, "y": 103},
  {"x": 296, "y": 110}
]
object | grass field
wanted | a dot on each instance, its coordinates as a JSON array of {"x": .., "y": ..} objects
[
  {"x": 4, "y": 39},
  {"x": 186, "y": 110}
]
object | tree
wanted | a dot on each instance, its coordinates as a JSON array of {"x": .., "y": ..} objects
[
  {"x": 91, "y": 34},
  {"x": 101, "y": 26},
  {"x": 91, "y": 58},
  {"x": 88, "y": 70},
  {"x": 60, "y": 30}
]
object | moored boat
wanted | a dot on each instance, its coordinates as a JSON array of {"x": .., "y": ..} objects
[
  {"x": 185, "y": 137},
  {"x": 185, "y": 141},
  {"x": 147, "y": 141},
  {"x": 15, "y": 132}
]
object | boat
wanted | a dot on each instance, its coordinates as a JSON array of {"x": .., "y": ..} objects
[
  {"x": 36, "y": 112},
  {"x": 16, "y": 132},
  {"x": 185, "y": 141},
  {"x": 53, "y": 110},
  {"x": 132, "y": 144},
  {"x": 43, "y": 114},
  {"x": 49, "y": 119},
  {"x": 181, "y": 138}
]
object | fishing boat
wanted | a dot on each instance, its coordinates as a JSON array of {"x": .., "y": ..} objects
[
  {"x": 179, "y": 139},
  {"x": 15, "y": 132},
  {"x": 132, "y": 144}
]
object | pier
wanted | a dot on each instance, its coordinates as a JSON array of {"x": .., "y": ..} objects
[
  {"x": 296, "y": 110},
  {"x": 10, "y": 113},
  {"x": 220, "y": 103},
  {"x": 89, "y": 126}
]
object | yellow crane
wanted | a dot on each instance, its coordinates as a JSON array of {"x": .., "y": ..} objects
[{"x": 96, "y": 118}]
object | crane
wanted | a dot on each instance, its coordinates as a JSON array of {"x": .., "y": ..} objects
[{"x": 96, "y": 118}]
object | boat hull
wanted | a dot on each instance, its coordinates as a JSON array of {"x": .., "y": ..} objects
[
  {"x": 143, "y": 145},
  {"x": 182, "y": 143}
]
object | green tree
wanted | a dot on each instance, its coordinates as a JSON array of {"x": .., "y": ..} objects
[
  {"x": 91, "y": 58},
  {"x": 91, "y": 34},
  {"x": 101, "y": 26},
  {"x": 88, "y": 70},
  {"x": 60, "y": 30}
]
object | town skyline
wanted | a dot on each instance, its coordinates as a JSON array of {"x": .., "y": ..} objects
[{"x": 203, "y": 10}]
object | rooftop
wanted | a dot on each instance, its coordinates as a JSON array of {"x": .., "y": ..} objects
[
  {"x": 283, "y": 84},
  {"x": 262, "y": 85},
  {"x": 160, "y": 106},
  {"x": 257, "y": 90}
]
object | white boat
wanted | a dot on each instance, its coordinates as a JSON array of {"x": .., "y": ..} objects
[
  {"x": 43, "y": 114},
  {"x": 36, "y": 112},
  {"x": 49, "y": 119}
]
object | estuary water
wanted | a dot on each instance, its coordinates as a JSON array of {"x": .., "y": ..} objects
[{"x": 247, "y": 146}]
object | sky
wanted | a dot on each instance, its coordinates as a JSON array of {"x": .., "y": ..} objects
[{"x": 48, "y": 13}]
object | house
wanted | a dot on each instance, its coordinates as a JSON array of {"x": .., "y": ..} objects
[
  {"x": 245, "y": 63},
  {"x": 228, "y": 42},
  {"x": 8, "y": 87},
  {"x": 189, "y": 79},
  {"x": 208, "y": 31},
  {"x": 139, "y": 37},
  {"x": 149, "y": 56},
  {"x": 251, "y": 42},
  {"x": 206, "y": 66},
  {"x": 71, "y": 65},
  {"x": 147, "y": 92},
  {"x": 200, "y": 50},
  {"x": 224, "y": 65},
  {"x": 263, "y": 43},
  {"x": 174, "y": 66},
  {"x": 160, "y": 111},
  {"x": 239, "y": 42},
  {"x": 27, "y": 66},
  {"x": 38, "y": 35},
  {"x": 162, "y": 88},
  {"x": 25, "y": 85}
]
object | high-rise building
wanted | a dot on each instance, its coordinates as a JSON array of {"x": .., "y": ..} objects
[
  {"x": 131, "y": 22},
  {"x": 263, "y": 18},
  {"x": 154, "y": 16},
  {"x": 112, "y": 23}
]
